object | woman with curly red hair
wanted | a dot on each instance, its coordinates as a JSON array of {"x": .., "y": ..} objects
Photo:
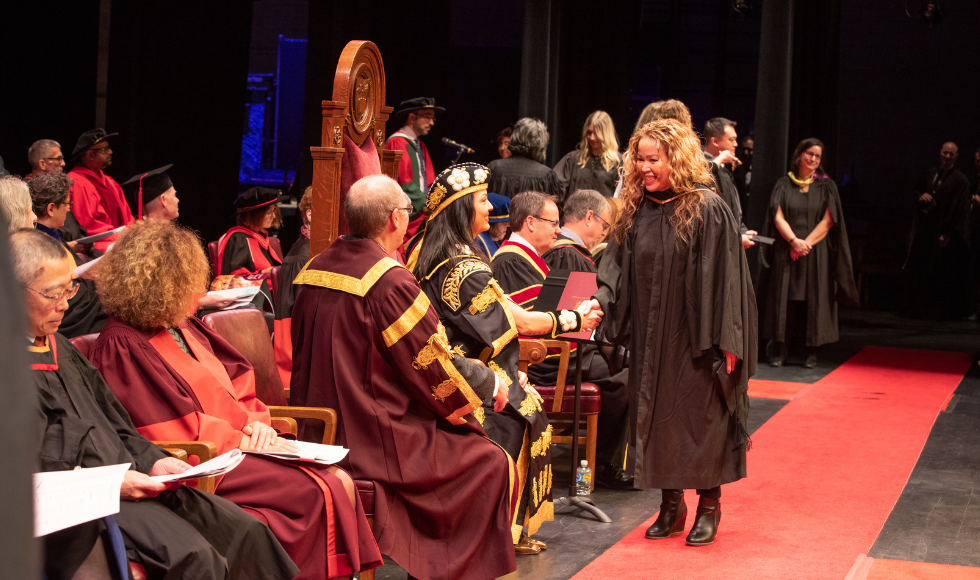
[
  {"x": 675, "y": 287},
  {"x": 179, "y": 380}
]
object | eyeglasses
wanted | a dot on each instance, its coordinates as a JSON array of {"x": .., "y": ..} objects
[
  {"x": 102, "y": 149},
  {"x": 812, "y": 155},
  {"x": 605, "y": 224},
  {"x": 59, "y": 158},
  {"x": 407, "y": 209},
  {"x": 554, "y": 223},
  {"x": 69, "y": 204},
  {"x": 64, "y": 294}
]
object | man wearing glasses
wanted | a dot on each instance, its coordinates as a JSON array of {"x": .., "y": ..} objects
[
  {"x": 100, "y": 205},
  {"x": 51, "y": 201},
  {"x": 518, "y": 266},
  {"x": 45, "y": 157},
  {"x": 415, "y": 171},
  {"x": 587, "y": 217}
]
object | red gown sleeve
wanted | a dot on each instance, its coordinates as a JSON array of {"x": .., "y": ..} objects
[{"x": 162, "y": 406}]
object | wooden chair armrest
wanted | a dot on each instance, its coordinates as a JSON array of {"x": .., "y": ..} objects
[
  {"x": 285, "y": 425},
  {"x": 562, "y": 378},
  {"x": 328, "y": 416},
  {"x": 204, "y": 450},
  {"x": 532, "y": 352},
  {"x": 178, "y": 453}
]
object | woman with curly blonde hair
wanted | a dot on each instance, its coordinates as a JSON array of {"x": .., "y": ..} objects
[
  {"x": 595, "y": 163},
  {"x": 675, "y": 287},
  {"x": 180, "y": 380}
]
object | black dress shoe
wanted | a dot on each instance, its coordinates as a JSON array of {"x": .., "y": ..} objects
[
  {"x": 611, "y": 477},
  {"x": 811, "y": 359},
  {"x": 777, "y": 352},
  {"x": 705, "y": 523},
  {"x": 673, "y": 514}
]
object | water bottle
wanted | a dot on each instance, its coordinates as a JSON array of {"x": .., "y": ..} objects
[{"x": 583, "y": 479}]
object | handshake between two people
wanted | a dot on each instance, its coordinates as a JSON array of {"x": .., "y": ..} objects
[{"x": 536, "y": 323}]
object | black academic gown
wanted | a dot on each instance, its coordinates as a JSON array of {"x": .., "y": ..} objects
[
  {"x": 938, "y": 275},
  {"x": 294, "y": 261},
  {"x": 677, "y": 307},
  {"x": 183, "y": 533},
  {"x": 593, "y": 175},
  {"x": 613, "y": 416},
  {"x": 823, "y": 278},
  {"x": 470, "y": 305},
  {"x": 725, "y": 186},
  {"x": 85, "y": 314},
  {"x": 517, "y": 174}
]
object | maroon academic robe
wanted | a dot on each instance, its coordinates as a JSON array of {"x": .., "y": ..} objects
[
  {"x": 211, "y": 397},
  {"x": 367, "y": 343}
]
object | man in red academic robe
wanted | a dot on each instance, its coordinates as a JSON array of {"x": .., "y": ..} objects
[
  {"x": 367, "y": 342},
  {"x": 415, "y": 171},
  {"x": 99, "y": 202}
]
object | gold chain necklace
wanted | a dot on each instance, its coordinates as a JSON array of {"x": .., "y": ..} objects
[{"x": 651, "y": 198}]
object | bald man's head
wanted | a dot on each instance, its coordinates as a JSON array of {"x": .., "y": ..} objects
[
  {"x": 948, "y": 155},
  {"x": 369, "y": 204}
]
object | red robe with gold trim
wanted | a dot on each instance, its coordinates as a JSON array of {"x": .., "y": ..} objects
[
  {"x": 367, "y": 343},
  {"x": 211, "y": 397}
]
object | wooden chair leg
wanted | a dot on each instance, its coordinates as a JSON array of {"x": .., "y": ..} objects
[{"x": 591, "y": 429}]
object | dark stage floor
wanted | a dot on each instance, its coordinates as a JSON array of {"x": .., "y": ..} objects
[{"x": 937, "y": 518}]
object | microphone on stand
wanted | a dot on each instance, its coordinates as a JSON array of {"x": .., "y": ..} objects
[{"x": 463, "y": 148}]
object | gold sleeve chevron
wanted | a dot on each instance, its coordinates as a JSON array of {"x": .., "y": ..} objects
[
  {"x": 453, "y": 281},
  {"x": 438, "y": 350}
]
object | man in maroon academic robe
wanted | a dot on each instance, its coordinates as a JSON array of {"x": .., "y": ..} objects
[
  {"x": 100, "y": 205},
  {"x": 367, "y": 342}
]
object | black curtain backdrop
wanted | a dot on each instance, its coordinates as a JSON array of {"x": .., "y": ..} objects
[
  {"x": 48, "y": 86},
  {"x": 177, "y": 78}
]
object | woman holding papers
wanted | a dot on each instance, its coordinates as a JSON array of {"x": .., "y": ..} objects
[
  {"x": 181, "y": 381},
  {"x": 675, "y": 286}
]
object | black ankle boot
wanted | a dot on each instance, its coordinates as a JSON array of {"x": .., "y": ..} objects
[
  {"x": 673, "y": 514},
  {"x": 705, "y": 523}
]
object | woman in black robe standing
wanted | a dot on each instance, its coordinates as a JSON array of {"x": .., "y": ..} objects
[
  {"x": 675, "y": 287},
  {"x": 810, "y": 263}
]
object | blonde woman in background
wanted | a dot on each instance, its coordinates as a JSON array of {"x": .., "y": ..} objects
[
  {"x": 15, "y": 204},
  {"x": 595, "y": 163}
]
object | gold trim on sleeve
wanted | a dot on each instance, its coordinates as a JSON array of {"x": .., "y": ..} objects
[
  {"x": 480, "y": 414},
  {"x": 531, "y": 402},
  {"x": 437, "y": 348},
  {"x": 450, "y": 286},
  {"x": 407, "y": 321},
  {"x": 492, "y": 293},
  {"x": 344, "y": 283},
  {"x": 443, "y": 390},
  {"x": 500, "y": 373}
]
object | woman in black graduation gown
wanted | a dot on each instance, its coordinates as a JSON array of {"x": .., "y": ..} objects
[
  {"x": 810, "y": 263},
  {"x": 481, "y": 322},
  {"x": 595, "y": 163},
  {"x": 525, "y": 170},
  {"x": 676, "y": 290}
]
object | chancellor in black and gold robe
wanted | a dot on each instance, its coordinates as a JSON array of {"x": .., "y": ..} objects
[
  {"x": 179, "y": 533},
  {"x": 367, "y": 342},
  {"x": 480, "y": 322}
]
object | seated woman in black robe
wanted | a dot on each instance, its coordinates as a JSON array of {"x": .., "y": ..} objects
[
  {"x": 482, "y": 322},
  {"x": 676, "y": 289},
  {"x": 809, "y": 266},
  {"x": 247, "y": 247}
]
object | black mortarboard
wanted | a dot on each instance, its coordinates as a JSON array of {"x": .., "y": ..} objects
[
  {"x": 418, "y": 104},
  {"x": 88, "y": 139},
  {"x": 258, "y": 197},
  {"x": 143, "y": 188}
]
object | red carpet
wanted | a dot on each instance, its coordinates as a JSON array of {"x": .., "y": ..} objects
[
  {"x": 877, "y": 569},
  {"x": 824, "y": 473},
  {"x": 774, "y": 389}
]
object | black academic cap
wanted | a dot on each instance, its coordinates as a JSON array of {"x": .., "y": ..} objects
[
  {"x": 258, "y": 197},
  {"x": 88, "y": 139},
  {"x": 153, "y": 183},
  {"x": 418, "y": 104}
]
